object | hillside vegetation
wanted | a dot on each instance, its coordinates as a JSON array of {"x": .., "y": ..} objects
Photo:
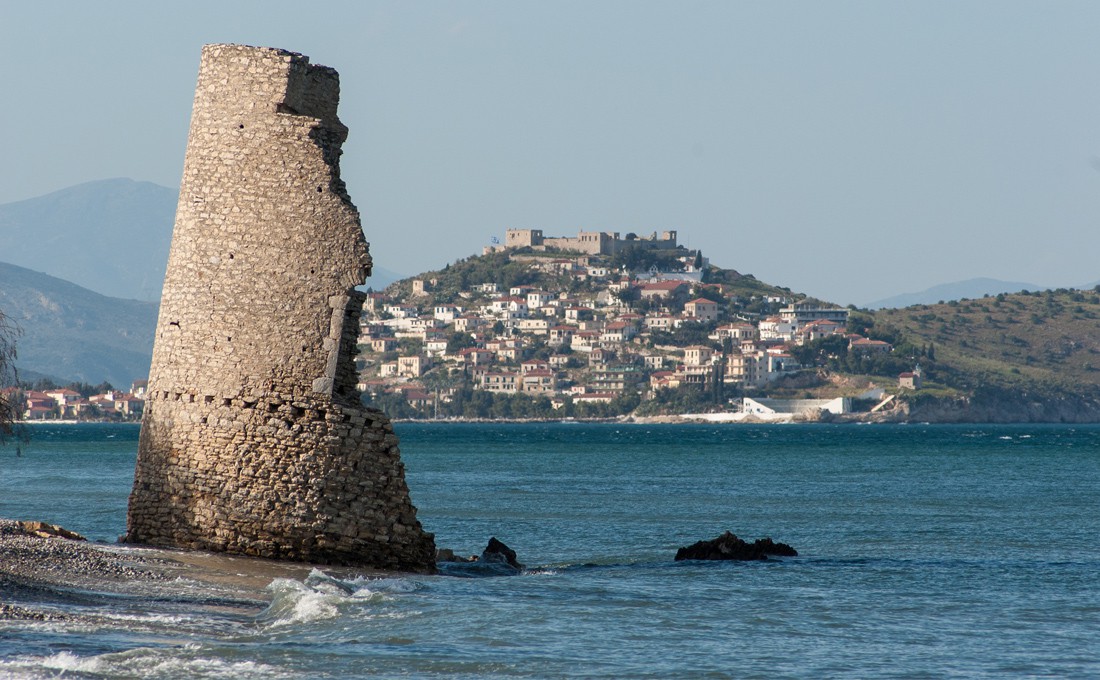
[
  {"x": 1050, "y": 337},
  {"x": 453, "y": 283},
  {"x": 1039, "y": 349}
]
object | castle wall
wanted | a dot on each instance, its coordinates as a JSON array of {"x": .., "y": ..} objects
[
  {"x": 253, "y": 439},
  {"x": 522, "y": 238},
  {"x": 588, "y": 242}
]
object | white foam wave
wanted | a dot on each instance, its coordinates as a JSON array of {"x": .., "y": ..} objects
[
  {"x": 321, "y": 596},
  {"x": 183, "y": 662},
  {"x": 150, "y": 618},
  {"x": 69, "y": 662},
  {"x": 541, "y": 571}
]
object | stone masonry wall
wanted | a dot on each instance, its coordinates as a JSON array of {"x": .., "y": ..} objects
[{"x": 254, "y": 440}]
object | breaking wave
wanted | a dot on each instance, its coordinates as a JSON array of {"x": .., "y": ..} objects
[
  {"x": 194, "y": 662},
  {"x": 321, "y": 596}
]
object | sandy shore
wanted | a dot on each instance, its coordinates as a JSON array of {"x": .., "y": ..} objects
[{"x": 32, "y": 567}]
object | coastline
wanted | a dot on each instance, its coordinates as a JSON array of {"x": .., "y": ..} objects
[
  {"x": 944, "y": 416},
  {"x": 70, "y": 421},
  {"x": 723, "y": 418},
  {"x": 42, "y": 569},
  {"x": 720, "y": 418}
]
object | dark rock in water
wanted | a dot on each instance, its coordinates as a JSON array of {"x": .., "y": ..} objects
[
  {"x": 497, "y": 552},
  {"x": 770, "y": 547},
  {"x": 730, "y": 547},
  {"x": 496, "y": 560}
]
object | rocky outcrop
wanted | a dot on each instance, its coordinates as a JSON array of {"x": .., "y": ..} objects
[
  {"x": 730, "y": 547},
  {"x": 498, "y": 553},
  {"x": 497, "y": 559},
  {"x": 43, "y": 530}
]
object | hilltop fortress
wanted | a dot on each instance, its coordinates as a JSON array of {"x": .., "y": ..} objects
[
  {"x": 590, "y": 242},
  {"x": 254, "y": 440}
]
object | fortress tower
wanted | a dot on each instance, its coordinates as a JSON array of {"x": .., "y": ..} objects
[{"x": 254, "y": 440}]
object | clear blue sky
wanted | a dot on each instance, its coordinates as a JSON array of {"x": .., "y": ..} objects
[{"x": 850, "y": 150}]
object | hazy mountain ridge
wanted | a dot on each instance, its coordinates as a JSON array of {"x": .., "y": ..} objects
[
  {"x": 971, "y": 288},
  {"x": 110, "y": 236},
  {"x": 74, "y": 334}
]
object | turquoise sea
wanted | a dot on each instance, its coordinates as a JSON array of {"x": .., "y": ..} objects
[{"x": 925, "y": 552}]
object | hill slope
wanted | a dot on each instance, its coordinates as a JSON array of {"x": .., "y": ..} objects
[
  {"x": 110, "y": 236},
  {"x": 527, "y": 268},
  {"x": 73, "y": 334},
  {"x": 1033, "y": 357}
]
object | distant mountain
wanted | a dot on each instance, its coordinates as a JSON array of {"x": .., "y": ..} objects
[
  {"x": 971, "y": 289},
  {"x": 73, "y": 334},
  {"x": 110, "y": 236}
]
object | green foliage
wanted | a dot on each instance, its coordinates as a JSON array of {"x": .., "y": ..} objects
[
  {"x": 410, "y": 346},
  {"x": 673, "y": 400},
  {"x": 711, "y": 294},
  {"x": 393, "y": 405},
  {"x": 629, "y": 296},
  {"x": 688, "y": 334},
  {"x": 636, "y": 256},
  {"x": 821, "y": 352},
  {"x": 86, "y": 390},
  {"x": 457, "y": 342},
  {"x": 744, "y": 285},
  {"x": 463, "y": 275},
  {"x": 861, "y": 322},
  {"x": 472, "y": 404}
]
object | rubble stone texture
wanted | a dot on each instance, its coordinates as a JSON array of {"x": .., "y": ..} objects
[{"x": 254, "y": 440}]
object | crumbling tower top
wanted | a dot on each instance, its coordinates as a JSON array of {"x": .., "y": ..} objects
[{"x": 267, "y": 247}]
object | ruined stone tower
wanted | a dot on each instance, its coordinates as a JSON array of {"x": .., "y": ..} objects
[{"x": 254, "y": 440}]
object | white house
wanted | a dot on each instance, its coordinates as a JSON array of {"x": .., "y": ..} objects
[{"x": 538, "y": 298}]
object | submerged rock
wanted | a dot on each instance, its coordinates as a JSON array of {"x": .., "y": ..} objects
[
  {"x": 730, "y": 547},
  {"x": 497, "y": 552},
  {"x": 497, "y": 559}
]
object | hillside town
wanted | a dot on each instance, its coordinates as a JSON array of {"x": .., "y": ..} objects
[
  {"x": 597, "y": 325},
  {"x": 588, "y": 320}
]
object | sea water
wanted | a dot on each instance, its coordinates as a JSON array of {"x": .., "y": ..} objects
[{"x": 924, "y": 551}]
